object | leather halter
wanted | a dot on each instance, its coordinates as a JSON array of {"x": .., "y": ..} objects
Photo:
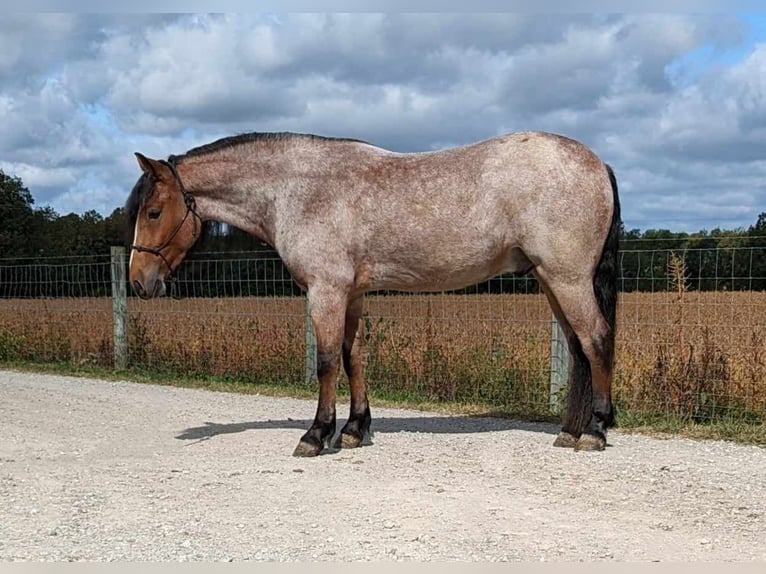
[{"x": 191, "y": 206}]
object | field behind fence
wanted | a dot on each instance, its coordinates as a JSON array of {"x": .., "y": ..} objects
[{"x": 693, "y": 354}]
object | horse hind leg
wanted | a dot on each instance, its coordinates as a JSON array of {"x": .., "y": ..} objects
[
  {"x": 595, "y": 338},
  {"x": 358, "y": 425},
  {"x": 579, "y": 396},
  {"x": 589, "y": 411}
]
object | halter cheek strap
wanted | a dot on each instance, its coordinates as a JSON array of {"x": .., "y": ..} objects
[{"x": 191, "y": 207}]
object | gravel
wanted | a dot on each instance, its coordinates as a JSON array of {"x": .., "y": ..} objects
[{"x": 100, "y": 471}]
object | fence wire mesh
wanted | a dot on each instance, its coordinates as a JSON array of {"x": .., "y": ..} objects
[
  {"x": 691, "y": 330},
  {"x": 691, "y": 333}
]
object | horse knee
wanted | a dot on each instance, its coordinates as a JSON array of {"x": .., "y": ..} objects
[{"x": 327, "y": 363}]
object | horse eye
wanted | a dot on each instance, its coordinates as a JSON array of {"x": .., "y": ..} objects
[{"x": 155, "y": 214}]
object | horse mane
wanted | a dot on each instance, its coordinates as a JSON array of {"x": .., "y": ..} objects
[
  {"x": 145, "y": 186},
  {"x": 143, "y": 189},
  {"x": 233, "y": 141}
]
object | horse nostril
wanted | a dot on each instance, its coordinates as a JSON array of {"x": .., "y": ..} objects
[{"x": 138, "y": 288}]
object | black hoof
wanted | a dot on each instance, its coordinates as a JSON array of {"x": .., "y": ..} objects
[
  {"x": 307, "y": 449},
  {"x": 356, "y": 428},
  {"x": 590, "y": 443},
  {"x": 316, "y": 438},
  {"x": 565, "y": 440},
  {"x": 348, "y": 441}
]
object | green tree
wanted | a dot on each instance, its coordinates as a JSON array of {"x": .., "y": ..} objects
[
  {"x": 43, "y": 244},
  {"x": 758, "y": 253},
  {"x": 760, "y": 225},
  {"x": 115, "y": 231},
  {"x": 15, "y": 216}
]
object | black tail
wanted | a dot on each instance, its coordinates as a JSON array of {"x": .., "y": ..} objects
[
  {"x": 605, "y": 286},
  {"x": 607, "y": 272},
  {"x": 580, "y": 394}
]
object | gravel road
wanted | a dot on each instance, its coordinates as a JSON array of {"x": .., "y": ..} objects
[{"x": 96, "y": 470}]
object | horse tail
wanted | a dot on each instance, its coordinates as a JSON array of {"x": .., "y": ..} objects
[
  {"x": 580, "y": 393},
  {"x": 607, "y": 272},
  {"x": 605, "y": 287}
]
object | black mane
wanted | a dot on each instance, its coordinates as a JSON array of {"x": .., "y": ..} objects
[
  {"x": 143, "y": 189},
  {"x": 145, "y": 186},
  {"x": 233, "y": 141}
]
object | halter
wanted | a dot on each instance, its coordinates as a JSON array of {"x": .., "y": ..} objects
[{"x": 191, "y": 205}]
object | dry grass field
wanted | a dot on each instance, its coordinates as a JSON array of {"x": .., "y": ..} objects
[{"x": 700, "y": 356}]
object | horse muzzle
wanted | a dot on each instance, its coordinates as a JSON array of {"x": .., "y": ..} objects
[{"x": 154, "y": 288}]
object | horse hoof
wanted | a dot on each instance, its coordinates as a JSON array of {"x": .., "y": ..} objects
[
  {"x": 590, "y": 442},
  {"x": 305, "y": 449},
  {"x": 565, "y": 440},
  {"x": 348, "y": 441}
]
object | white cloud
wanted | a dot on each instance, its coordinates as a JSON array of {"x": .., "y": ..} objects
[
  {"x": 79, "y": 94},
  {"x": 35, "y": 176}
]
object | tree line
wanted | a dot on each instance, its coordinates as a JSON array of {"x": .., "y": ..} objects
[{"x": 43, "y": 253}]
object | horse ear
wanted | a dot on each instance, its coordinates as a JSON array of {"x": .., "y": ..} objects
[
  {"x": 152, "y": 167},
  {"x": 145, "y": 164}
]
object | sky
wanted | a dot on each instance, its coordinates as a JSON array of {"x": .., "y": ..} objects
[{"x": 676, "y": 103}]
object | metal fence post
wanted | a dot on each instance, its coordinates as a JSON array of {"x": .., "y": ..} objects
[
  {"x": 119, "y": 307},
  {"x": 311, "y": 348},
  {"x": 559, "y": 365}
]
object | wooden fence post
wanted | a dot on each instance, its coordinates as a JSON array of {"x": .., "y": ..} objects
[
  {"x": 119, "y": 307},
  {"x": 559, "y": 365},
  {"x": 311, "y": 348}
]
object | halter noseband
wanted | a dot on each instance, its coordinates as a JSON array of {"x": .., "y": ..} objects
[{"x": 191, "y": 206}]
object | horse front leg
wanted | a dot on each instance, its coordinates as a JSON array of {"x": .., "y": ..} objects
[
  {"x": 358, "y": 424},
  {"x": 328, "y": 310}
]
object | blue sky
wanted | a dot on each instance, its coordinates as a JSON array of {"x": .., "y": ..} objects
[{"x": 675, "y": 102}]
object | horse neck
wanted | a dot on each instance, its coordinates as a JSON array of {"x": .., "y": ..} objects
[{"x": 232, "y": 193}]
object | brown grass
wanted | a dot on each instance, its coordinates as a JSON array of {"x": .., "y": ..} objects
[{"x": 699, "y": 356}]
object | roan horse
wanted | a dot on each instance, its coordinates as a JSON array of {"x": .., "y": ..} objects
[{"x": 347, "y": 217}]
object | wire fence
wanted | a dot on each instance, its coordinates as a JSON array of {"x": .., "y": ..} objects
[{"x": 691, "y": 331}]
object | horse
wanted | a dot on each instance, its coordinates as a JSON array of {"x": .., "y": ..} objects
[{"x": 347, "y": 217}]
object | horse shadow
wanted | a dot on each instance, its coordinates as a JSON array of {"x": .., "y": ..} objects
[{"x": 383, "y": 424}]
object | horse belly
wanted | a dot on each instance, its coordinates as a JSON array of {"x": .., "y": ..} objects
[{"x": 439, "y": 272}]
